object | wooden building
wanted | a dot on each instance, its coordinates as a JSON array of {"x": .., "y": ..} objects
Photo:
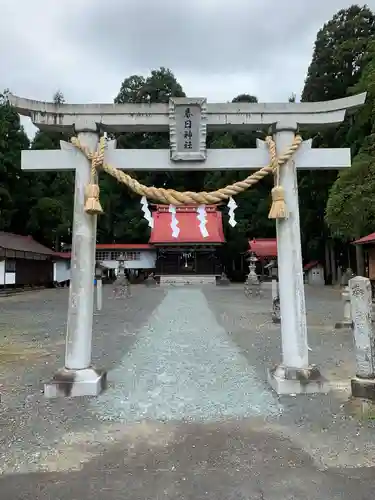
[
  {"x": 24, "y": 262},
  {"x": 367, "y": 251},
  {"x": 190, "y": 253}
]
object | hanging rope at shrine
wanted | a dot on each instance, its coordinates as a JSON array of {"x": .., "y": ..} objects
[{"x": 172, "y": 197}]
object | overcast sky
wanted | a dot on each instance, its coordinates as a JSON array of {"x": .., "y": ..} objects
[{"x": 216, "y": 48}]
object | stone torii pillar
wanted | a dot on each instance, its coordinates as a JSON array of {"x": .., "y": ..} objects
[
  {"x": 293, "y": 375},
  {"x": 78, "y": 377}
]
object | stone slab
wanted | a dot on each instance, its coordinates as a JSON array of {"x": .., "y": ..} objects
[
  {"x": 343, "y": 324},
  {"x": 70, "y": 383},
  {"x": 287, "y": 382}
]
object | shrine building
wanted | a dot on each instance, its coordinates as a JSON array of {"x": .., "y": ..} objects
[{"x": 189, "y": 253}]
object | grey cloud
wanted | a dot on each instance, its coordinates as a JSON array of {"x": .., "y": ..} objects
[
  {"x": 202, "y": 36},
  {"x": 217, "y": 48}
]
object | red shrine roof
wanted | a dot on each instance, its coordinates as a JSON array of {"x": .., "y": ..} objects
[
  {"x": 370, "y": 238},
  {"x": 123, "y": 246},
  {"x": 263, "y": 247},
  {"x": 311, "y": 265},
  {"x": 161, "y": 234}
]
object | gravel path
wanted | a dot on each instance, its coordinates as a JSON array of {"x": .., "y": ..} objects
[{"x": 188, "y": 413}]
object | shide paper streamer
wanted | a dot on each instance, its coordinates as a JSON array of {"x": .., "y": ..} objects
[
  {"x": 146, "y": 212},
  {"x": 232, "y": 207},
  {"x": 202, "y": 217},
  {"x": 174, "y": 222}
]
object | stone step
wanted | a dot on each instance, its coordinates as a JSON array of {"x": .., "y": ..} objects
[{"x": 181, "y": 280}]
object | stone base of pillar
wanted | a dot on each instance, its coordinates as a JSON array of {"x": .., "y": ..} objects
[
  {"x": 343, "y": 324},
  {"x": 150, "y": 282},
  {"x": 222, "y": 280},
  {"x": 363, "y": 388},
  {"x": 252, "y": 289},
  {"x": 290, "y": 381},
  {"x": 73, "y": 383}
]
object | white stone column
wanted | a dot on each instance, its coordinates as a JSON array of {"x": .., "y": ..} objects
[
  {"x": 363, "y": 385},
  {"x": 78, "y": 378},
  {"x": 81, "y": 293},
  {"x": 347, "y": 321},
  {"x": 275, "y": 302},
  {"x": 99, "y": 294},
  {"x": 289, "y": 254},
  {"x": 294, "y": 375}
]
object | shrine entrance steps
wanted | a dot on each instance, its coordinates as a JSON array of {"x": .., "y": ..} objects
[{"x": 182, "y": 280}]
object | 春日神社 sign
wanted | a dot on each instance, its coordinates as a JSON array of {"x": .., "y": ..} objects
[{"x": 188, "y": 129}]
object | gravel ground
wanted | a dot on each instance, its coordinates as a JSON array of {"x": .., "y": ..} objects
[{"x": 188, "y": 413}]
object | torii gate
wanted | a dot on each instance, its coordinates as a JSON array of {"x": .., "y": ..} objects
[{"x": 187, "y": 152}]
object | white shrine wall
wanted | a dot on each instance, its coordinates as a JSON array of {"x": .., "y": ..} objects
[
  {"x": 61, "y": 270},
  {"x": 6, "y": 278},
  {"x": 146, "y": 260}
]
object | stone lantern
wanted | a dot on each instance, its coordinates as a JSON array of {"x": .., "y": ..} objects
[
  {"x": 252, "y": 283},
  {"x": 121, "y": 285}
]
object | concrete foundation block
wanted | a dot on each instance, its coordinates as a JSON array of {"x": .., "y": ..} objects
[
  {"x": 363, "y": 388},
  {"x": 292, "y": 381},
  {"x": 73, "y": 383}
]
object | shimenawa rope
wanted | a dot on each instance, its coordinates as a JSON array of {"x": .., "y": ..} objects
[{"x": 172, "y": 197}]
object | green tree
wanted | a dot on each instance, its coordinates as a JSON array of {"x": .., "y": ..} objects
[
  {"x": 13, "y": 140},
  {"x": 160, "y": 86},
  {"x": 245, "y": 98},
  {"x": 351, "y": 207},
  {"x": 48, "y": 221},
  {"x": 337, "y": 65},
  {"x": 58, "y": 97},
  {"x": 349, "y": 211},
  {"x": 50, "y": 194},
  {"x": 339, "y": 51}
]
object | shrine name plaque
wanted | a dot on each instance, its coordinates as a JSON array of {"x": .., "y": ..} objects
[{"x": 188, "y": 128}]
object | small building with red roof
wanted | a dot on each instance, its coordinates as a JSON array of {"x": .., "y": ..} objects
[
  {"x": 263, "y": 248},
  {"x": 367, "y": 245},
  {"x": 190, "y": 252}
]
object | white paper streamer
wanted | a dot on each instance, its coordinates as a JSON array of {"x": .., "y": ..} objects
[
  {"x": 146, "y": 212},
  {"x": 202, "y": 217},
  {"x": 174, "y": 222},
  {"x": 232, "y": 207}
]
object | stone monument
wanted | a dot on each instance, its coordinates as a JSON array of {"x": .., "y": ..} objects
[
  {"x": 363, "y": 384},
  {"x": 187, "y": 121}
]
